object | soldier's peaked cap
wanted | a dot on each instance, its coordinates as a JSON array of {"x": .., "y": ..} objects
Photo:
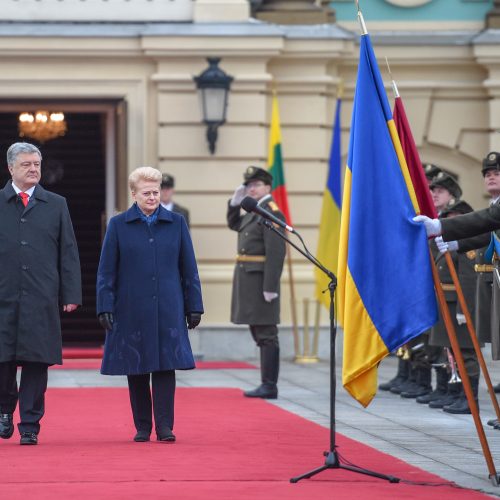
[
  {"x": 257, "y": 174},
  {"x": 448, "y": 182},
  {"x": 431, "y": 170},
  {"x": 459, "y": 207},
  {"x": 167, "y": 181},
  {"x": 491, "y": 162}
]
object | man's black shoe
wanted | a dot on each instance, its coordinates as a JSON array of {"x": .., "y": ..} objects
[
  {"x": 142, "y": 436},
  {"x": 496, "y": 388},
  {"x": 264, "y": 391},
  {"x": 29, "y": 438},
  {"x": 493, "y": 422},
  {"x": 6, "y": 425},
  {"x": 165, "y": 435}
]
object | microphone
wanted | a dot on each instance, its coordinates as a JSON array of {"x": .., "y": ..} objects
[{"x": 250, "y": 205}]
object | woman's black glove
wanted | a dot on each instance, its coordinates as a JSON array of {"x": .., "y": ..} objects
[
  {"x": 193, "y": 320},
  {"x": 106, "y": 320}
]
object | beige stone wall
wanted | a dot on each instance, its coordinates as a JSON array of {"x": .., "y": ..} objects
[{"x": 451, "y": 94}]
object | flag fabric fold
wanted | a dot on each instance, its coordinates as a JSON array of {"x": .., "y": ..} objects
[
  {"x": 275, "y": 162},
  {"x": 329, "y": 228},
  {"x": 412, "y": 157},
  {"x": 385, "y": 287}
]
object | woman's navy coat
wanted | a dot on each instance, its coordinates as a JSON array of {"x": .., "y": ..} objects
[{"x": 148, "y": 279}]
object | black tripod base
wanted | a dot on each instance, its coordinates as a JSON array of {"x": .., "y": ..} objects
[{"x": 332, "y": 462}]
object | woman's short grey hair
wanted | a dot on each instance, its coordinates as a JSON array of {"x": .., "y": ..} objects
[
  {"x": 144, "y": 174},
  {"x": 19, "y": 148}
]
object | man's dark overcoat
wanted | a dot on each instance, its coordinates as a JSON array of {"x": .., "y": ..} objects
[
  {"x": 251, "y": 279},
  {"x": 148, "y": 279},
  {"x": 39, "y": 272}
]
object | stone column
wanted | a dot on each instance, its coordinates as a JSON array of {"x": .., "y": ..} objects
[{"x": 295, "y": 12}]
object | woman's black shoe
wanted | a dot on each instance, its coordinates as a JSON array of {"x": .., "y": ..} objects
[
  {"x": 141, "y": 436},
  {"x": 165, "y": 435}
]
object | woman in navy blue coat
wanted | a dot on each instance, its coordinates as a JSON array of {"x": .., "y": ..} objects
[{"x": 148, "y": 294}]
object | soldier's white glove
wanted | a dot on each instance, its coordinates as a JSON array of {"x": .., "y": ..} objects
[
  {"x": 445, "y": 246},
  {"x": 238, "y": 195},
  {"x": 461, "y": 319},
  {"x": 432, "y": 226},
  {"x": 270, "y": 296}
]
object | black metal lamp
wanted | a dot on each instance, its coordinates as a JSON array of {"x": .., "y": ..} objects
[{"x": 213, "y": 86}]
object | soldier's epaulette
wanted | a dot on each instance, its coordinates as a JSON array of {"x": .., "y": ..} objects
[
  {"x": 471, "y": 254},
  {"x": 273, "y": 206}
]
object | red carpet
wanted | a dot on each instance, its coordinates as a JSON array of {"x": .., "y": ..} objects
[
  {"x": 228, "y": 448},
  {"x": 95, "y": 364}
]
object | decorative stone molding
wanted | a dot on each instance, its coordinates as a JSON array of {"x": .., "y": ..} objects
[
  {"x": 295, "y": 12},
  {"x": 97, "y": 10},
  {"x": 209, "y": 11}
]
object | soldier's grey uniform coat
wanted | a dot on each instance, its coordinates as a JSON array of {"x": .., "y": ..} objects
[{"x": 251, "y": 279}]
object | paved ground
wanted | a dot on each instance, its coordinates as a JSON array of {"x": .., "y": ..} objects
[{"x": 444, "y": 444}]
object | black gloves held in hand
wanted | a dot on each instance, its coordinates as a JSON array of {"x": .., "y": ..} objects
[
  {"x": 193, "y": 320},
  {"x": 106, "y": 320}
]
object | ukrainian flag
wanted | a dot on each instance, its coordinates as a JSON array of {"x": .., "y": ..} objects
[
  {"x": 385, "y": 288},
  {"x": 329, "y": 227}
]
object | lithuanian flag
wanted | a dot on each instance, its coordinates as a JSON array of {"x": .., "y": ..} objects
[{"x": 275, "y": 163}]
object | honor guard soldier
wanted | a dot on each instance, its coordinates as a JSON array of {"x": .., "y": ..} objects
[
  {"x": 444, "y": 190},
  {"x": 451, "y": 396},
  {"x": 256, "y": 283},
  {"x": 167, "y": 190}
]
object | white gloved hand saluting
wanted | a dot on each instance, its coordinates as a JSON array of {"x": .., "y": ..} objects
[
  {"x": 238, "y": 195},
  {"x": 432, "y": 226},
  {"x": 270, "y": 296}
]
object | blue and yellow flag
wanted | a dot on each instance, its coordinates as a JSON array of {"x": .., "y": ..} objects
[
  {"x": 329, "y": 228},
  {"x": 385, "y": 288}
]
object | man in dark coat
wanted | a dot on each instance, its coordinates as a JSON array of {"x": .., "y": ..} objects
[
  {"x": 256, "y": 282},
  {"x": 39, "y": 271},
  {"x": 167, "y": 197}
]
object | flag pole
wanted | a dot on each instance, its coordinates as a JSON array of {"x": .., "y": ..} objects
[
  {"x": 460, "y": 360},
  {"x": 293, "y": 304}
]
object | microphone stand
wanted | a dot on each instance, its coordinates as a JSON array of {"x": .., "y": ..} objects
[{"x": 332, "y": 460}]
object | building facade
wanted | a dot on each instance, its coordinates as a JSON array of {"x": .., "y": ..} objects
[{"x": 132, "y": 64}]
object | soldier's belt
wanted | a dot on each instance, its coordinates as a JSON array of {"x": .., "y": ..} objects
[
  {"x": 448, "y": 287},
  {"x": 483, "y": 268},
  {"x": 250, "y": 258}
]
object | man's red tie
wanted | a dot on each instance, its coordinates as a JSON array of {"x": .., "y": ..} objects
[{"x": 24, "y": 198}]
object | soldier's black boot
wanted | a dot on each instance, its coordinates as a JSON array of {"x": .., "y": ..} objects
[
  {"x": 439, "y": 391},
  {"x": 423, "y": 384},
  {"x": 461, "y": 406},
  {"x": 401, "y": 375},
  {"x": 410, "y": 382},
  {"x": 496, "y": 388},
  {"x": 454, "y": 391},
  {"x": 269, "y": 369}
]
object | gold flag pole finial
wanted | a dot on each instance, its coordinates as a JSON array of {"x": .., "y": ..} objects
[
  {"x": 361, "y": 20},
  {"x": 340, "y": 89},
  {"x": 394, "y": 86}
]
